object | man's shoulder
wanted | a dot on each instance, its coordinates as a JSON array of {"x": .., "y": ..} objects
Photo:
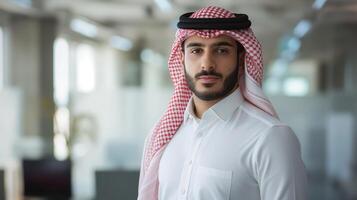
[
  {"x": 259, "y": 116},
  {"x": 271, "y": 130}
]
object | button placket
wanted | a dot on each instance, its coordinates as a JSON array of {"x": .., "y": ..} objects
[{"x": 190, "y": 163}]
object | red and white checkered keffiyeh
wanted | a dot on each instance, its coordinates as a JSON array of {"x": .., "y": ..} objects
[{"x": 249, "y": 85}]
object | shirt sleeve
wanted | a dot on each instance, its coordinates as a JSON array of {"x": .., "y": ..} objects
[{"x": 279, "y": 168}]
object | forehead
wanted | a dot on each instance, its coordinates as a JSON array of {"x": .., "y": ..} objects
[{"x": 210, "y": 41}]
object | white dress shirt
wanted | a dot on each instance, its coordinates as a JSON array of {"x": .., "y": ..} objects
[{"x": 234, "y": 152}]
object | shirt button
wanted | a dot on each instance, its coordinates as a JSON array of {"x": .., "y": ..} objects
[
  {"x": 190, "y": 163},
  {"x": 183, "y": 191}
]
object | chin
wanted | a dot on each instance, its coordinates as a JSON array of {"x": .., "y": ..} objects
[
  {"x": 209, "y": 91},
  {"x": 212, "y": 88},
  {"x": 207, "y": 86}
]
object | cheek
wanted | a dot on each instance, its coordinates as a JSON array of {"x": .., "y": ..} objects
[
  {"x": 189, "y": 71},
  {"x": 191, "y": 66},
  {"x": 229, "y": 63}
]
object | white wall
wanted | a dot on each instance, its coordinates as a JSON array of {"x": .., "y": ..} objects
[
  {"x": 10, "y": 123},
  {"x": 24, "y": 70},
  {"x": 312, "y": 119},
  {"x": 123, "y": 116}
]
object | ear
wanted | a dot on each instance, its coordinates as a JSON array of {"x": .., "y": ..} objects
[
  {"x": 241, "y": 59},
  {"x": 182, "y": 57}
]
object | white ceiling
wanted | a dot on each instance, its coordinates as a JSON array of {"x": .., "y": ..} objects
[{"x": 142, "y": 20}]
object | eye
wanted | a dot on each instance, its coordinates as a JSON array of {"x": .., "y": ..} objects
[
  {"x": 222, "y": 50},
  {"x": 196, "y": 51}
]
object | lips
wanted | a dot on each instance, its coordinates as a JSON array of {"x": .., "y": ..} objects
[{"x": 208, "y": 79}]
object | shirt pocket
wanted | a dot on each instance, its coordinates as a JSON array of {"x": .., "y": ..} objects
[{"x": 211, "y": 184}]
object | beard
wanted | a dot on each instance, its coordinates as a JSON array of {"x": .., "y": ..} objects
[{"x": 228, "y": 84}]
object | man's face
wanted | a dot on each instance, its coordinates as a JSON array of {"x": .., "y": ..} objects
[{"x": 211, "y": 66}]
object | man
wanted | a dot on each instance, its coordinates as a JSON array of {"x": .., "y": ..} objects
[{"x": 220, "y": 138}]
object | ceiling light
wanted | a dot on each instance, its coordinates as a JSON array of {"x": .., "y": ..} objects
[
  {"x": 84, "y": 27},
  {"x": 121, "y": 43},
  {"x": 26, "y": 3},
  {"x": 164, "y": 5},
  {"x": 318, "y": 4},
  {"x": 302, "y": 28}
]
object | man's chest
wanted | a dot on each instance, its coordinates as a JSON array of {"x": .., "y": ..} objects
[{"x": 209, "y": 158}]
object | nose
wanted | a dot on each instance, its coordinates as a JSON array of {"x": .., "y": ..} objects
[{"x": 208, "y": 63}]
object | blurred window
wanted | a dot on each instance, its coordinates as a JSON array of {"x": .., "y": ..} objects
[
  {"x": 2, "y": 50},
  {"x": 85, "y": 68},
  {"x": 296, "y": 86},
  {"x": 61, "y": 72}
]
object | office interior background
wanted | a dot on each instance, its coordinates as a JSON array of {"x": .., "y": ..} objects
[{"x": 82, "y": 82}]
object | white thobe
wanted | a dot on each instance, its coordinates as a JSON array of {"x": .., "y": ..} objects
[{"x": 234, "y": 152}]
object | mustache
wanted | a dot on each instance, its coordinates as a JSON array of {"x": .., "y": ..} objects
[{"x": 208, "y": 73}]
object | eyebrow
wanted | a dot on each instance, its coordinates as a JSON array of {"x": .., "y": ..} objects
[{"x": 197, "y": 44}]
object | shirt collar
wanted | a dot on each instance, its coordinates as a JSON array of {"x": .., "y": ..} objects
[
  {"x": 222, "y": 109},
  {"x": 189, "y": 112}
]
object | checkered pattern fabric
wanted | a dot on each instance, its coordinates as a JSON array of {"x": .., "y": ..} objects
[{"x": 250, "y": 86}]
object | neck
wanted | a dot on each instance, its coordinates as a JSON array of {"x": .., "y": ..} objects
[{"x": 201, "y": 106}]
